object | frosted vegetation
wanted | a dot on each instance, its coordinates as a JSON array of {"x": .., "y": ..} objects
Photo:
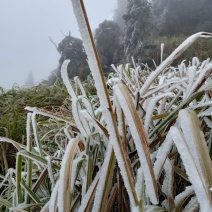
[{"x": 142, "y": 142}]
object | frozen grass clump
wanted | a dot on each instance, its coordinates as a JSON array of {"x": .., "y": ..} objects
[{"x": 142, "y": 142}]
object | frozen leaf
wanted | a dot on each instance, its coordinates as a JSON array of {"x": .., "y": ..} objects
[
  {"x": 194, "y": 153},
  {"x": 140, "y": 138}
]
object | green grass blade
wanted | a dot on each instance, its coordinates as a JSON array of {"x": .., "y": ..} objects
[
  {"x": 18, "y": 178},
  {"x": 30, "y": 192},
  {"x": 5, "y": 202},
  {"x": 37, "y": 158}
]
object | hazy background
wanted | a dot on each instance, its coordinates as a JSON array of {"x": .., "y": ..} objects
[{"x": 25, "y": 26}]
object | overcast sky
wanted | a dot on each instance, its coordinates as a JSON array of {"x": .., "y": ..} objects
[{"x": 25, "y": 26}]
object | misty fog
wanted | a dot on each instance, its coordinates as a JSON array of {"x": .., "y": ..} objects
[{"x": 25, "y": 27}]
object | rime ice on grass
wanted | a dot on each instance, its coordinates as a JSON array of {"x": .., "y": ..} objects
[
  {"x": 151, "y": 107},
  {"x": 180, "y": 197},
  {"x": 102, "y": 93},
  {"x": 65, "y": 78},
  {"x": 180, "y": 49},
  {"x": 102, "y": 179},
  {"x": 162, "y": 155},
  {"x": 94, "y": 67},
  {"x": 53, "y": 199},
  {"x": 34, "y": 127},
  {"x": 89, "y": 193},
  {"x": 142, "y": 153},
  {"x": 139, "y": 186},
  {"x": 191, "y": 170},
  {"x": 66, "y": 176},
  {"x": 206, "y": 71}
]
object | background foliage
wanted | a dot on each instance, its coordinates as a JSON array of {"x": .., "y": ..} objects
[{"x": 137, "y": 29}]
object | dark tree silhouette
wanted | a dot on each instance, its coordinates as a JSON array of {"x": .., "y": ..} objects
[
  {"x": 71, "y": 48},
  {"x": 109, "y": 43}
]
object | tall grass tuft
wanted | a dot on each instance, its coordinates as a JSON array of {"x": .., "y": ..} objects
[{"x": 138, "y": 141}]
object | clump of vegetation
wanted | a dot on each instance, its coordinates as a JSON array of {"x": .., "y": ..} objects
[
  {"x": 140, "y": 142},
  {"x": 12, "y": 105},
  {"x": 54, "y": 99},
  {"x": 202, "y": 49},
  {"x": 13, "y": 115}
]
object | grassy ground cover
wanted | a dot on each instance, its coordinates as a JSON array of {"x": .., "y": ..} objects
[{"x": 138, "y": 141}]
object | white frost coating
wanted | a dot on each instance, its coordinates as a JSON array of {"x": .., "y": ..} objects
[
  {"x": 146, "y": 103},
  {"x": 208, "y": 122},
  {"x": 179, "y": 198},
  {"x": 119, "y": 157},
  {"x": 207, "y": 87},
  {"x": 53, "y": 199},
  {"x": 90, "y": 52},
  {"x": 65, "y": 177},
  {"x": 121, "y": 70},
  {"x": 86, "y": 198},
  {"x": 139, "y": 183},
  {"x": 162, "y": 80},
  {"x": 67, "y": 133},
  {"x": 167, "y": 186},
  {"x": 10, "y": 172},
  {"x": 34, "y": 127},
  {"x": 162, "y": 155},
  {"x": 36, "y": 149},
  {"x": 205, "y": 104},
  {"x": 141, "y": 153},
  {"x": 190, "y": 137},
  {"x": 79, "y": 83},
  {"x": 204, "y": 63},
  {"x": 91, "y": 120},
  {"x": 138, "y": 83},
  {"x": 119, "y": 115},
  {"x": 191, "y": 76},
  {"x": 79, "y": 121},
  {"x": 195, "y": 61},
  {"x": 151, "y": 107},
  {"x": 180, "y": 67},
  {"x": 45, "y": 208},
  {"x": 84, "y": 121},
  {"x": 73, "y": 173},
  {"x": 113, "y": 80},
  {"x": 169, "y": 60},
  {"x": 191, "y": 170},
  {"x": 29, "y": 146},
  {"x": 87, "y": 104},
  {"x": 128, "y": 79},
  {"x": 207, "y": 112},
  {"x": 102, "y": 179},
  {"x": 43, "y": 113},
  {"x": 153, "y": 208},
  {"x": 65, "y": 78},
  {"x": 84, "y": 183},
  {"x": 49, "y": 166},
  {"x": 192, "y": 205},
  {"x": 162, "y": 105},
  {"x": 158, "y": 88},
  {"x": 28, "y": 130},
  {"x": 101, "y": 93},
  {"x": 135, "y": 209},
  {"x": 201, "y": 76},
  {"x": 114, "y": 68}
]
